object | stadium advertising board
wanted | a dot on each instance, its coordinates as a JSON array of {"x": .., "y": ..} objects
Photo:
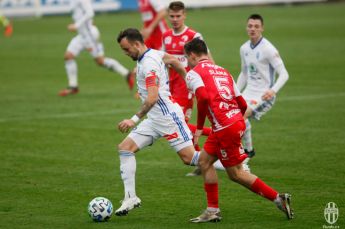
[{"x": 16, "y": 8}]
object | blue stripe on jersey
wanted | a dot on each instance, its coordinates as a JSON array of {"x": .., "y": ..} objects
[
  {"x": 163, "y": 106},
  {"x": 180, "y": 126},
  {"x": 271, "y": 70}
]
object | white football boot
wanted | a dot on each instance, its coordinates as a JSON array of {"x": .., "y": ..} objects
[{"x": 127, "y": 205}]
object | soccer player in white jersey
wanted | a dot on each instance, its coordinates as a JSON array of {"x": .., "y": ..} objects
[
  {"x": 88, "y": 38},
  {"x": 164, "y": 117},
  {"x": 260, "y": 62}
]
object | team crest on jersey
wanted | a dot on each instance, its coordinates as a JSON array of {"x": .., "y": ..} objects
[{"x": 167, "y": 40}]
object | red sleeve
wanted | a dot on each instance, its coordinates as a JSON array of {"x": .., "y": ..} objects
[
  {"x": 242, "y": 104},
  {"x": 202, "y": 99}
]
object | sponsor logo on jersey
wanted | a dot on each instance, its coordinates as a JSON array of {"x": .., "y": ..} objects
[{"x": 252, "y": 69}]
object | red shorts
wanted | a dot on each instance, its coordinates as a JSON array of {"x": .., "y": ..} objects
[{"x": 226, "y": 144}]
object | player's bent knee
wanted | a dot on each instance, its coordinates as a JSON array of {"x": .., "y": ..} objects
[{"x": 99, "y": 61}]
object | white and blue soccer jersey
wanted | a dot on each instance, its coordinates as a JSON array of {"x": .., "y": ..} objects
[
  {"x": 258, "y": 64},
  {"x": 165, "y": 118},
  {"x": 152, "y": 62}
]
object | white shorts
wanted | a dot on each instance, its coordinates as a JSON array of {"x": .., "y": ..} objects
[
  {"x": 86, "y": 40},
  {"x": 174, "y": 129},
  {"x": 258, "y": 106}
]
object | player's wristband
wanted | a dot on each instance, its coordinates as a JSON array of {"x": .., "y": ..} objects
[{"x": 135, "y": 118}]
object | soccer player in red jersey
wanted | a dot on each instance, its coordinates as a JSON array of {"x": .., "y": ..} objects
[
  {"x": 224, "y": 106},
  {"x": 153, "y": 13},
  {"x": 174, "y": 40}
]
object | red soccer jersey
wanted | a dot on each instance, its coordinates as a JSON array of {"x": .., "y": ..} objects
[
  {"x": 148, "y": 10},
  {"x": 174, "y": 44},
  {"x": 222, "y": 91}
]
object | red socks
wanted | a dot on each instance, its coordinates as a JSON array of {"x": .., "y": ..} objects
[
  {"x": 212, "y": 195},
  {"x": 264, "y": 190}
]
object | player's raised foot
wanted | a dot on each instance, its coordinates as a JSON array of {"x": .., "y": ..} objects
[
  {"x": 284, "y": 204},
  {"x": 207, "y": 216},
  {"x": 130, "y": 78},
  {"x": 127, "y": 205},
  {"x": 250, "y": 153},
  {"x": 69, "y": 91},
  {"x": 195, "y": 172}
]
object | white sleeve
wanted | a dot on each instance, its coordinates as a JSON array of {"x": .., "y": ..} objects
[
  {"x": 243, "y": 77},
  {"x": 277, "y": 63},
  {"x": 194, "y": 81},
  {"x": 157, "y": 5},
  {"x": 236, "y": 90},
  {"x": 88, "y": 12},
  {"x": 283, "y": 76}
]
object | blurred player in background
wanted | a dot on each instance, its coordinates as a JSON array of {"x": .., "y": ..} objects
[
  {"x": 260, "y": 62},
  {"x": 220, "y": 100},
  {"x": 164, "y": 117},
  {"x": 153, "y": 14},
  {"x": 88, "y": 38},
  {"x": 8, "y": 28}
]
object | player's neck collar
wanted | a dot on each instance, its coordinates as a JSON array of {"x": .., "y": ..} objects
[
  {"x": 183, "y": 30},
  {"x": 253, "y": 46},
  {"x": 142, "y": 56}
]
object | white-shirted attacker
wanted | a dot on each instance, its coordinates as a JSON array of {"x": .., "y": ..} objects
[
  {"x": 260, "y": 62},
  {"x": 88, "y": 38},
  {"x": 164, "y": 117}
]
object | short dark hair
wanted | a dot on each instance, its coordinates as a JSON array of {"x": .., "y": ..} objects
[
  {"x": 176, "y": 6},
  {"x": 131, "y": 34},
  {"x": 256, "y": 17},
  {"x": 196, "y": 46}
]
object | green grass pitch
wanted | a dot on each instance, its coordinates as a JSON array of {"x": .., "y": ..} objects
[{"x": 59, "y": 153}]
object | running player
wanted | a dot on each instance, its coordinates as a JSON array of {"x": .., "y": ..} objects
[
  {"x": 220, "y": 100},
  {"x": 87, "y": 39},
  {"x": 164, "y": 117}
]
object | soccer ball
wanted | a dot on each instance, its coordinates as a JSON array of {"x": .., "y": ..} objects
[{"x": 100, "y": 209}]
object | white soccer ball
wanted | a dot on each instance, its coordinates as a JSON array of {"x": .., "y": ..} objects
[{"x": 100, "y": 209}]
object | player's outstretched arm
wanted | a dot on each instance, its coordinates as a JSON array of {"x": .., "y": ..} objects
[
  {"x": 172, "y": 61},
  {"x": 146, "y": 32}
]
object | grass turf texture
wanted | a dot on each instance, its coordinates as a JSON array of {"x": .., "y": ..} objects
[{"x": 57, "y": 154}]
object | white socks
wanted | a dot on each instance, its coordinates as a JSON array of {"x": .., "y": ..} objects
[
  {"x": 247, "y": 136},
  {"x": 128, "y": 167},
  {"x": 115, "y": 66},
  {"x": 195, "y": 159},
  {"x": 218, "y": 165},
  {"x": 72, "y": 71}
]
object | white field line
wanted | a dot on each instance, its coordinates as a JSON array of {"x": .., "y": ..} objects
[{"x": 122, "y": 111}]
